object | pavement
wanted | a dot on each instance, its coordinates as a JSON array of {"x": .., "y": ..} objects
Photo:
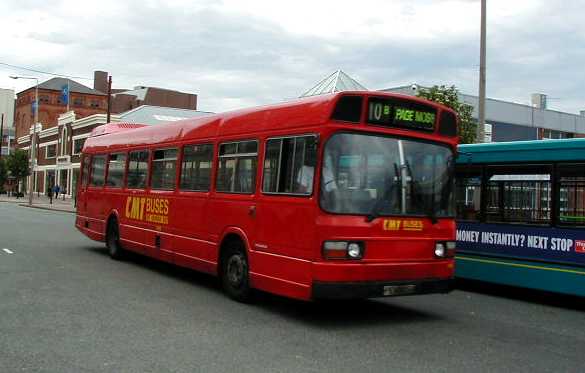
[{"x": 42, "y": 202}]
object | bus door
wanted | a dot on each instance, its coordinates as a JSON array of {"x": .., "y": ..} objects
[
  {"x": 93, "y": 202},
  {"x": 286, "y": 208},
  {"x": 81, "y": 198}
]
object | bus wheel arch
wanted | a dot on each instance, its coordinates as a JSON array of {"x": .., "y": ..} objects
[
  {"x": 233, "y": 267},
  {"x": 112, "y": 237}
]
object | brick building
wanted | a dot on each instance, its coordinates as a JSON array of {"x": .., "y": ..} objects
[
  {"x": 61, "y": 133},
  {"x": 130, "y": 99},
  {"x": 84, "y": 100}
]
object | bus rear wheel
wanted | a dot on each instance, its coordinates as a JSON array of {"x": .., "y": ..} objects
[
  {"x": 113, "y": 240},
  {"x": 235, "y": 272}
]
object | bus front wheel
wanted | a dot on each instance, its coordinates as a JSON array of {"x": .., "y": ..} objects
[
  {"x": 113, "y": 240},
  {"x": 234, "y": 272}
]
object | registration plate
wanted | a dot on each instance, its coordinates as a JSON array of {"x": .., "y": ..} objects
[{"x": 390, "y": 290}]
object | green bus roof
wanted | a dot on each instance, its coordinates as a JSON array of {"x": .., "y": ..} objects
[{"x": 522, "y": 151}]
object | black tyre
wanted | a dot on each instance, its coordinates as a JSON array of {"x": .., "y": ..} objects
[
  {"x": 235, "y": 272},
  {"x": 113, "y": 240}
]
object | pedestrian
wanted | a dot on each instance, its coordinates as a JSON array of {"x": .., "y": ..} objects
[
  {"x": 57, "y": 190},
  {"x": 50, "y": 194}
]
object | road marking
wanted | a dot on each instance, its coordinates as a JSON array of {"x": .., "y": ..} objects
[{"x": 8, "y": 251}]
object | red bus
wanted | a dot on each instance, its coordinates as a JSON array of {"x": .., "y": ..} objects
[{"x": 347, "y": 195}]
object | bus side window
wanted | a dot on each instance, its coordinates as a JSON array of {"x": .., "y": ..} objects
[
  {"x": 98, "y": 171},
  {"x": 571, "y": 196},
  {"x": 137, "y": 169},
  {"x": 164, "y": 169},
  {"x": 85, "y": 170},
  {"x": 468, "y": 196},
  {"x": 519, "y": 194},
  {"x": 237, "y": 167},
  {"x": 196, "y": 167},
  {"x": 116, "y": 168},
  {"x": 289, "y": 165}
]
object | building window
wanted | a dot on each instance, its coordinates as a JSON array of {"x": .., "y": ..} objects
[
  {"x": 78, "y": 101},
  {"x": 116, "y": 168},
  {"x": 44, "y": 99},
  {"x": 289, "y": 165},
  {"x": 548, "y": 134},
  {"x": 95, "y": 104},
  {"x": 237, "y": 167},
  {"x": 164, "y": 169},
  {"x": 196, "y": 167},
  {"x": 138, "y": 169},
  {"x": 98, "y": 170},
  {"x": 78, "y": 145},
  {"x": 487, "y": 132},
  {"x": 51, "y": 151},
  {"x": 64, "y": 141}
]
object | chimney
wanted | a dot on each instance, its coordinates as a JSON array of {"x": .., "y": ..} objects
[
  {"x": 100, "y": 81},
  {"x": 538, "y": 100}
]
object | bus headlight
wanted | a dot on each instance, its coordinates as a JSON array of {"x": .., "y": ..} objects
[
  {"x": 445, "y": 249},
  {"x": 354, "y": 250},
  {"x": 343, "y": 250},
  {"x": 440, "y": 250}
]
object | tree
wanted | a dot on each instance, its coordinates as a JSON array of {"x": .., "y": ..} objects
[
  {"x": 449, "y": 96},
  {"x": 3, "y": 174},
  {"x": 17, "y": 163}
]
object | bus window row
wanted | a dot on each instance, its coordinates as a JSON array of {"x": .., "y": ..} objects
[
  {"x": 523, "y": 194},
  {"x": 289, "y": 166}
]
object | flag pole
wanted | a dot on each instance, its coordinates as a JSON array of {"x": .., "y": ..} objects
[{"x": 68, "y": 94}]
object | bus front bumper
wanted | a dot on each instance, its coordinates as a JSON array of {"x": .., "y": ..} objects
[{"x": 373, "y": 289}]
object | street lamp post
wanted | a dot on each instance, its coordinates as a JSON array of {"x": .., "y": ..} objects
[
  {"x": 482, "y": 47},
  {"x": 33, "y": 144}
]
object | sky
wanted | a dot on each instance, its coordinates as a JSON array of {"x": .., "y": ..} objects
[{"x": 236, "y": 54}]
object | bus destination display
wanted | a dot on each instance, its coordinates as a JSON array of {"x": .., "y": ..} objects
[{"x": 395, "y": 114}]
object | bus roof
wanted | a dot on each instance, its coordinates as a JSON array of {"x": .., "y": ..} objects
[
  {"x": 298, "y": 113},
  {"x": 522, "y": 151}
]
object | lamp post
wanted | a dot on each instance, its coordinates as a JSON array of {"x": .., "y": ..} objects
[
  {"x": 33, "y": 144},
  {"x": 482, "y": 47}
]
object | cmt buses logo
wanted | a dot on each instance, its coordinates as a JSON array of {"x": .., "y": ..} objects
[
  {"x": 580, "y": 247},
  {"x": 152, "y": 210},
  {"x": 405, "y": 225}
]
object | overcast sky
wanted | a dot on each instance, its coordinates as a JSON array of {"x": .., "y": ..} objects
[{"x": 235, "y": 54}]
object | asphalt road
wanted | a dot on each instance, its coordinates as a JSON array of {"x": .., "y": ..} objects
[{"x": 66, "y": 307}]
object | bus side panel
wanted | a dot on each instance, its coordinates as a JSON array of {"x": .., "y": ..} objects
[
  {"x": 95, "y": 210},
  {"x": 133, "y": 238},
  {"x": 275, "y": 281},
  {"x": 191, "y": 241},
  {"x": 135, "y": 233},
  {"x": 532, "y": 275},
  {"x": 230, "y": 210}
]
